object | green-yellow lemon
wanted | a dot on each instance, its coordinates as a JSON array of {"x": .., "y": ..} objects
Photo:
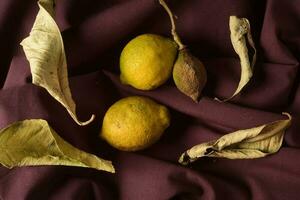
[
  {"x": 147, "y": 61},
  {"x": 134, "y": 123}
]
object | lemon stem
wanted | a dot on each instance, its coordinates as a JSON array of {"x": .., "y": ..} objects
[{"x": 173, "y": 31}]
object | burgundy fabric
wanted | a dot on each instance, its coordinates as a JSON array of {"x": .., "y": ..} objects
[{"x": 94, "y": 34}]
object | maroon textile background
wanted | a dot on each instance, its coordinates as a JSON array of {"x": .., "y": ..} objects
[{"x": 94, "y": 33}]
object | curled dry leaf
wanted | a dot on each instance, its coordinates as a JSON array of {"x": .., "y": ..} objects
[
  {"x": 189, "y": 73},
  {"x": 239, "y": 28},
  {"x": 242, "y": 144},
  {"x": 45, "y": 52},
  {"x": 34, "y": 142}
]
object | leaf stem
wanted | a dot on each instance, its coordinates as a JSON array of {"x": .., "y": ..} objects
[{"x": 173, "y": 30}]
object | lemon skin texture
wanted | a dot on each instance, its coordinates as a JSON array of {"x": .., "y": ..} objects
[
  {"x": 134, "y": 123},
  {"x": 146, "y": 62}
]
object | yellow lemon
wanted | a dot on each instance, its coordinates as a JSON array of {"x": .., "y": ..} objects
[
  {"x": 134, "y": 123},
  {"x": 147, "y": 61}
]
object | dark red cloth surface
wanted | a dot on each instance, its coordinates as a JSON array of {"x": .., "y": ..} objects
[{"x": 94, "y": 33}]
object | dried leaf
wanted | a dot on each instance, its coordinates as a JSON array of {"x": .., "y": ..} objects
[
  {"x": 34, "y": 142},
  {"x": 242, "y": 144},
  {"x": 45, "y": 52},
  {"x": 239, "y": 28}
]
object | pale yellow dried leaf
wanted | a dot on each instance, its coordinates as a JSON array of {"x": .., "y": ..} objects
[
  {"x": 242, "y": 144},
  {"x": 34, "y": 142},
  {"x": 239, "y": 30},
  {"x": 45, "y": 52}
]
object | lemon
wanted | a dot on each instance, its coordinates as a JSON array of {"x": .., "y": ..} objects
[
  {"x": 134, "y": 123},
  {"x": 146, "y": 62}
]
